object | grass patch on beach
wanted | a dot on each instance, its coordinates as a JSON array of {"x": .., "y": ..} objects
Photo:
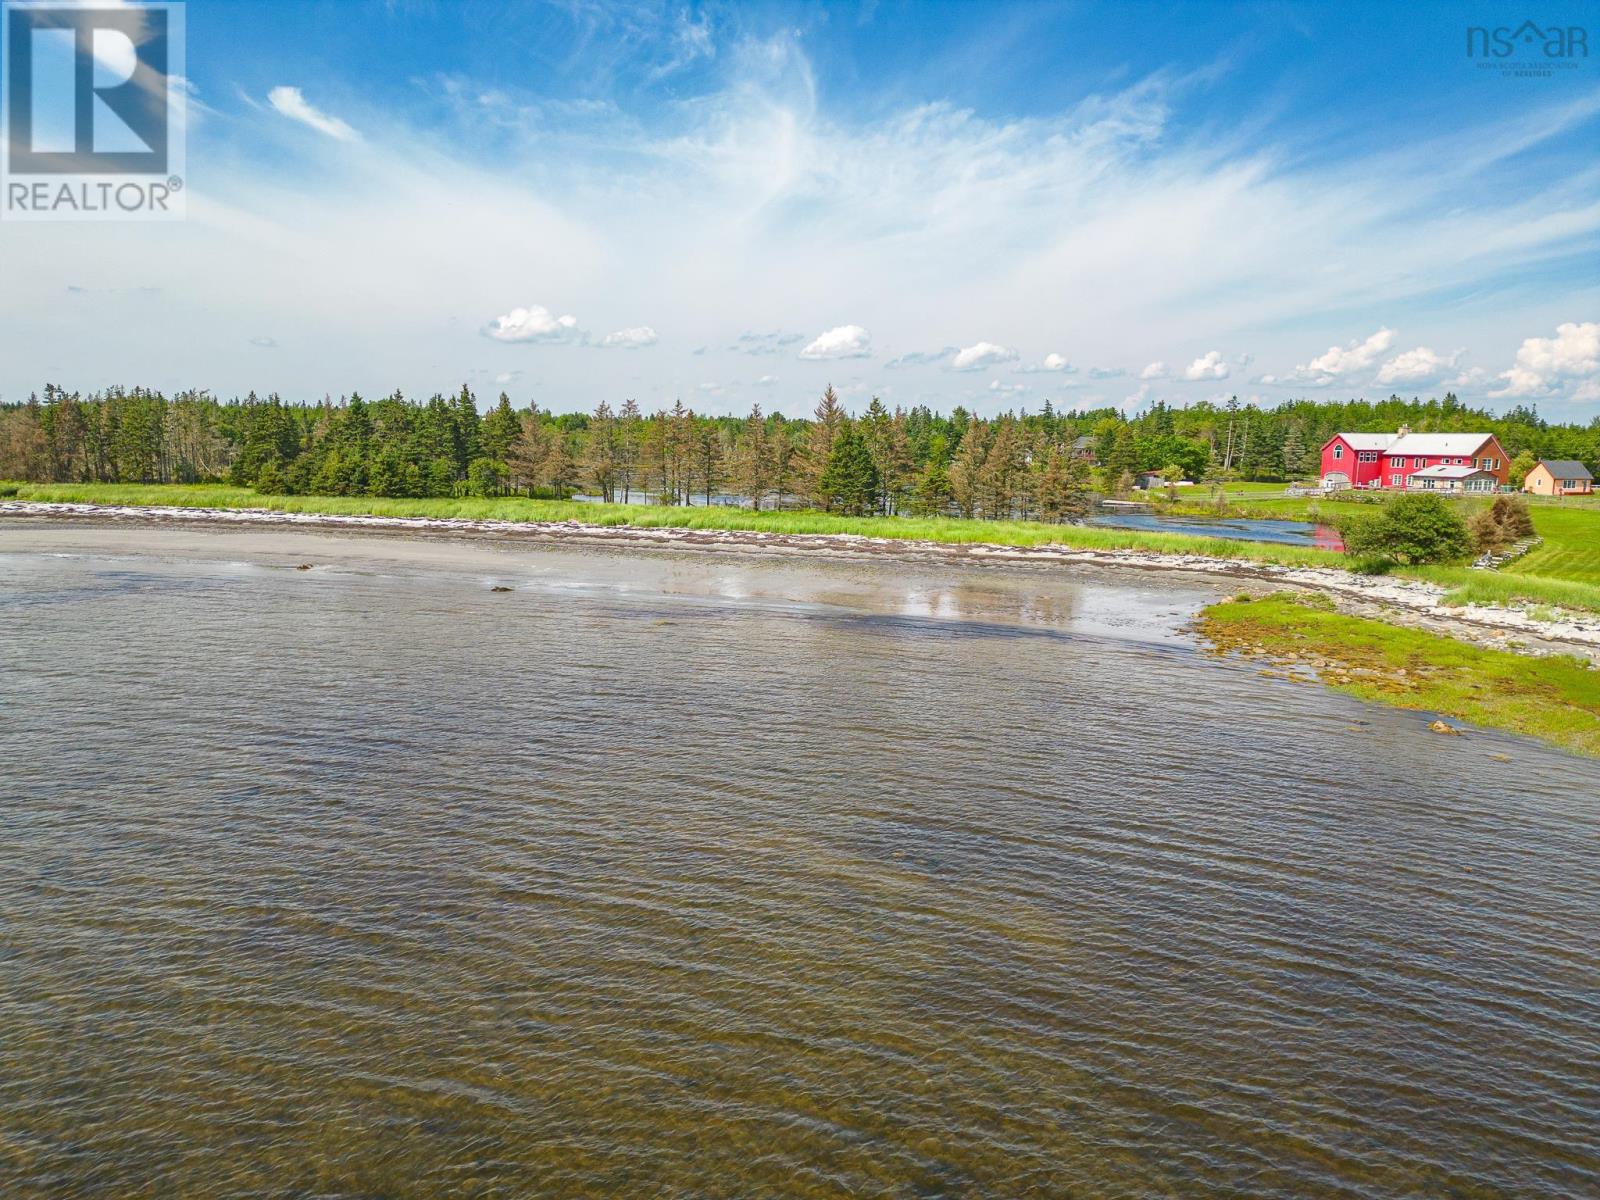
[
  {"x": 1466, "y": 586},
  {"x": 1556, "y": 700},
  {"x": 946, "y": 530}
]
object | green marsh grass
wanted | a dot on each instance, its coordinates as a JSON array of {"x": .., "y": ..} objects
[{"x": 1556, "y": 700}]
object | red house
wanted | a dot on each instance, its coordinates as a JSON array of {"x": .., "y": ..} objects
[{"x": 1389, "y": 460}]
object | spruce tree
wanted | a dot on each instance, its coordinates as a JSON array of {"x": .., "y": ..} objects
[{"x": 849, "y": 482}]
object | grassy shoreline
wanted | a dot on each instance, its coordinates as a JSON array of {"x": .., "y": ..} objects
[
  {"x": 1568, "y": 585},
  {"x": 1556, "y": 700},
  {"x": 1564, "y": 572},
  {"x": 952, "y": 531}
]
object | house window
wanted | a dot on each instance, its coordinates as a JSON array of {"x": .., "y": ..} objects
[
  {"x": 1338, "y": 451},
  {"x": 1367, "y": 456},
  {"x": 1418, "y": 463},
  {"x": 1394, "y": 480}
]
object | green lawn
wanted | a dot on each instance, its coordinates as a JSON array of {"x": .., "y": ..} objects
[
  {"x": 1571, "y": 550},
  {"x": 1554, "y": 699}
]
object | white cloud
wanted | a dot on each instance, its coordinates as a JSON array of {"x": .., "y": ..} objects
[
  {"x": 1573, "y": 353},
  {"x": 508, "y": 377},
  {"x": 1343, "y": 360},
  {"x": 1208, "y": 366},
  {"x": 842, "y": 341},
  {"x": 759, "y": 200},
  {"x": 1006, "y": 389},
  {"x": 767, "y": 381},
  {"x": 1155, "y": 370},
  {"x": 1416, "y": 366},
  {"x": 536, "y": 323},
  {"x": 629, "y": 339},
  {"x": 980, "y": 355},
  {"x": 1050, "y": 364},
  {"x": 289, "y": 102},
  {"x": 1106, "y": 372},
  {"x": 265, "y": 343}
]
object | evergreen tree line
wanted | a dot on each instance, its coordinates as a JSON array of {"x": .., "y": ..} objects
[{"x": 1044, "y": 465}]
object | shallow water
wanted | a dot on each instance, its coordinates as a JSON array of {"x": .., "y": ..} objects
[
  {"x": 1244, "y": 529},
  {"x": 695, "y": 875}
]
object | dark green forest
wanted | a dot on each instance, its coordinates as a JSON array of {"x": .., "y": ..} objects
[{"x": 1043, "y": 465}]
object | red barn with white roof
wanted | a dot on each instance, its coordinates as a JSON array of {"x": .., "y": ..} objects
[{"x": 1389, "y": 460}]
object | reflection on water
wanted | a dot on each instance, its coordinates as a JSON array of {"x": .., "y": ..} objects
[
  {"x": 1245, "y": 529},
  {"x": 694, "y": 876}
]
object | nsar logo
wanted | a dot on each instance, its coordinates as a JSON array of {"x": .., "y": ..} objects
[{"x": 1528, "y": 50}]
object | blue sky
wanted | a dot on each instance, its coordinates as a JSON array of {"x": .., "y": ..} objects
[{"x": 982, "y": 204}]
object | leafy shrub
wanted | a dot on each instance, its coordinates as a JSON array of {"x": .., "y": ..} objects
[
  {"x": 9, "y": 489},
  {"x": 1413, "y": 528}
]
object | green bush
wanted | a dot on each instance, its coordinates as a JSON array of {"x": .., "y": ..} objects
[{"x": 1413, "y": 528}]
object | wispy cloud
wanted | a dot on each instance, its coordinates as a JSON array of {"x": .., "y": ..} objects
[
  {"x": 291, "y": 103},
  {"x": 755, "y": 199}
]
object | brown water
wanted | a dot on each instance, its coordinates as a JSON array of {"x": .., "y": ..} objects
[{"x": 688, "y": 876}]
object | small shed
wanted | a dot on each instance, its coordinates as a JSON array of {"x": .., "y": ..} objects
[{"x": 1559, "y": 477}]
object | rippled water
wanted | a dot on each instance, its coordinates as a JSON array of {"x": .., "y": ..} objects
[
  {"x": 688, "y": 876},
  {"x": 1243, "y": 529}
]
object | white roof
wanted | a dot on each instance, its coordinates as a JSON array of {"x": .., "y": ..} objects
[
  {"x": 1368, "y": 441},
  {"x": 1443, "y": 472},
  {"x": 1438, "y": 443}
]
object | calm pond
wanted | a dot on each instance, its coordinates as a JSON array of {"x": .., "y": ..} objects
[
  {"x": 1291, "y": 533},
  {"x": 698, "y": 875}
]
